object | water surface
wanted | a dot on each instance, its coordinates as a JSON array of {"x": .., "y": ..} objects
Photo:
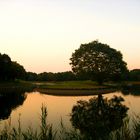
[{"x": 29, "y": 106}]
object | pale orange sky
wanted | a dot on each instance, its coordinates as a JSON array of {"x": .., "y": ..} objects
[{"x": 42, "y": 34}]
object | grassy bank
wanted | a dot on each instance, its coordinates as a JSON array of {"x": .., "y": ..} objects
[
  {"x": 131, "y": 85},
  {"x": 71, "y": 88},
  {"x": 68, "y": 87},
  {"x": 73, "y": 85},
  {"x": 16, "y": 86}
]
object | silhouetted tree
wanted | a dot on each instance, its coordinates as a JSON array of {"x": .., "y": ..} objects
[
  {"x": 50, "y": 76},
  {"x": 45, "y": 76},
  {"x": 134, "y": 75},
  {"x": 99, "y": 61},
  {"x": 5, "y": 67},
  {"x": 60, "y": 76},
  {"x": 65, "y": 76},
  {"x": 10, "y": 70},
  {"x": 18, "y": 71},
  {"x": 31, "y": 76}
]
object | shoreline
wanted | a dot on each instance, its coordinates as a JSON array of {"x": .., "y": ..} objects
[{"x": 75, "y": 92}]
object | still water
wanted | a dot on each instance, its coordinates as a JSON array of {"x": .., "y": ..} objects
[{"x": 28, "y": 107}]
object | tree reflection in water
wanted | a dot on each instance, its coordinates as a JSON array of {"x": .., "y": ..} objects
[
  {"x": 10, "y": 101},
  {"x": 99, "y": 116},
  {"x": 131, "y": 92}
]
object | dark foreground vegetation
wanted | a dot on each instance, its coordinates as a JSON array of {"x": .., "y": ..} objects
[{"x": 96, "y": 119}]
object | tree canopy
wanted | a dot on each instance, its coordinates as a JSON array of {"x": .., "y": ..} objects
[
  {"x": 49, "y": 76},
  {"x": 99, "y": 61},
  {"x": 134, "y": 75},
  {"x": 10, "y": 70}
]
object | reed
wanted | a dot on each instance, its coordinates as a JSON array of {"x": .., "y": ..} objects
[{"x": 46, "y": 132}]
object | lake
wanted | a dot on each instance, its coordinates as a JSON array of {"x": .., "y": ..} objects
[{"x": 28, "y": 107}]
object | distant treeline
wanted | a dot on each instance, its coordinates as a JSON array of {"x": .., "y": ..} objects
[
  {"x": 11, "y": 70},
  {"x": 134, "y": 75},
  {"x": 49, "y": 76}
]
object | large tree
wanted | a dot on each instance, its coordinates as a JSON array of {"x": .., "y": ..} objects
[
  {"x": 5, "y": 66},
  {"x": 10, "y": 70},
  {"x": 99, "y": 61}
]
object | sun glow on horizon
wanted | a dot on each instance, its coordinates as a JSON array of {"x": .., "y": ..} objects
[{"x": 41, "y": 35}]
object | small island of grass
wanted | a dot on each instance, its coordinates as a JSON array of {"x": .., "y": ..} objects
[{"x": 71, "y": 88}]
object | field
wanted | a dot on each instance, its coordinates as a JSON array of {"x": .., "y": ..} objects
[
  {"x": 69, "y": 85},
  {"x": 71, "y": 88}
]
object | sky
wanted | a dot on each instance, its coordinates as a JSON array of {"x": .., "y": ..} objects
[{"x": 41, "y": 35}]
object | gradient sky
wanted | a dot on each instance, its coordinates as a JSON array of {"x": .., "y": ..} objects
[{"x": 42, "y": 34}]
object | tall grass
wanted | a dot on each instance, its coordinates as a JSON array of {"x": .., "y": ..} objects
[
  {"x": 46, "y": 131},
  {"x": 125, "y": 132}
]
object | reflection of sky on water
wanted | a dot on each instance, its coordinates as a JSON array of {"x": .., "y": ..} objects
[
  {"x": 59, "y": 107},
  {"x": 133, "y": 102}
]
